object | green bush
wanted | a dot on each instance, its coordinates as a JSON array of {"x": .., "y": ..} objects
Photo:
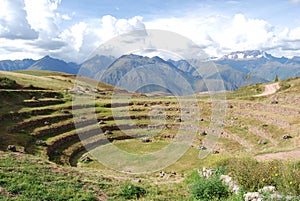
[
  {"x": 6, "y": 83},
  {"x": 209, "y": 189},
  {"x": 130, "y": 191},
  {"x": 252, "y": 175}
]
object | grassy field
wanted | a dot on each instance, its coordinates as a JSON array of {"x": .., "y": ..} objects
[{"x": 40, "y": 117}]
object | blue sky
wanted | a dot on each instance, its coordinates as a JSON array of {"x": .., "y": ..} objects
[{"x": 72, "y": 29}]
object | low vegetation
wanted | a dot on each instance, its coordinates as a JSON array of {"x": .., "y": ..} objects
[{"x": 39, "y": 121}]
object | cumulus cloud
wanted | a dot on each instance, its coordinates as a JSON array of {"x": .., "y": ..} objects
[
  {"x": 84, "y": 37},
  {"x": 13, "y": 23},
  {"x": 41, "y": 16},
  {"x": 218, "y": 34}
]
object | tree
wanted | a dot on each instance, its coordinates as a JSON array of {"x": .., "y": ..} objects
[{"x": 276, "y": 78}]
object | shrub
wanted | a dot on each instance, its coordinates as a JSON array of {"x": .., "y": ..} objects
[
  {"x": 130, "y": 191},
  {"x": 209, "y": 189},
  {"x": 252, "y": 175},
  {"x": 6, "y": 83}
]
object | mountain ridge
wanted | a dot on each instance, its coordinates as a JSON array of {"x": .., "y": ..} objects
[{"x": 235, "y": 69}]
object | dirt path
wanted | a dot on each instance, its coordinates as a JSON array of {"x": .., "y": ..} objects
[
  {"x": 269, "y": 89},
  {"x": 294, "y": 154}
]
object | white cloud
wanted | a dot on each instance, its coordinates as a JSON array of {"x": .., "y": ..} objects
[
  {"x": 219, "y": 34},
  {"x": 84, "y": 37},
  {"x": 13, "y": 23},
  {"x": 41, "y": 16}
]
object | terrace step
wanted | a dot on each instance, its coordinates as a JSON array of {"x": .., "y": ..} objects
[{"x": 39, "y": 122}]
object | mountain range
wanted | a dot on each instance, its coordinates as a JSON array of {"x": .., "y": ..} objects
[{"x": 145, "y": 74}]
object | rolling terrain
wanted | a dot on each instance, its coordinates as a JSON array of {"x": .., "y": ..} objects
[{"x": 49, "y": 119}]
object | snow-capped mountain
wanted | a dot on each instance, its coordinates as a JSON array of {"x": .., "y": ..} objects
[{"x": 247, "y": 55}]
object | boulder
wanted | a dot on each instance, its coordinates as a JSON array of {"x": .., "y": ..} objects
[
  {"x": 40, "y": 143},
  {"x": 101, "y": 122},
  {"x": 108, "y": 132},
  {"x": 267, "y": 189},
  {"x": 145, "y": 140},
  {"x": 202, "y": 148},
  {"x": 262, "y": 142},
  {"x": 12, "y": 148},
  {"x": 253, "y": 196},
  {"x": 178, "y": 119},
  {"x": 285, "y": 137},
  {"x": 85, "y": 159}
]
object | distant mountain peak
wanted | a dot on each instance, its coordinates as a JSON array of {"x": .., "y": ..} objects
[{"x": 246, "y": 55}]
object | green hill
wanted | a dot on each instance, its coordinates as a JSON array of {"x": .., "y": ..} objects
[{"x": 51, "y": 119}]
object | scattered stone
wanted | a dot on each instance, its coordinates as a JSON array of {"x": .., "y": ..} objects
[
  {"x": 47, "y": 123},
  {"x": 162, "y": 174},
  {"x": 145, "y": 140},
  {"x": 178, "y": 119},
  {"x": 206, "y": 173},
  {"x": 101, "y": 122},
  {"x": 65, "y": 111},
  {"x": 85, "y": 159},
  {"x": 230, "y": 106},
  {"x": 12, "y": 148},
  {"x": 264, "y": 125},
  {"x": 202, "y": 148},
  {"x": 230, "y": 183},
  {"x": 137, "y": 180},
  {"x": 203, "y": 133},
  {"x": 267, "y": 189},
  {"x": 108, "y": 132},
  {"x": 40, "y": 143},
  {"x": 285, "y": 137},
  {"x": 253, "y": 196},
  {"x": 274, "y": 102},
  {"x": 215, "y": 152},
  {"x": 262, "y": 142}
]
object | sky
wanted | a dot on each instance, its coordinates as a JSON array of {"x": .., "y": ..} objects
[{"x": 72, "y": 29}]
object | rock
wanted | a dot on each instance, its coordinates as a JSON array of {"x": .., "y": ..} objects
[
  {"x": 267, "y": 189},
  {"x": 276, "y": 196},
  {"x": 12, "y": 148},
  {"x": 203, "y": 133},
  {"x": 206, "y": 173},
  {"x": 40, "y": 143},
  {"x": 274, "y": 102},
  {"x": 202, "y": 148},
  {"x": 33, "y": 98},
  {"x": 262, "y": 142},
  {"x": 137, "y": 180},
  {"x": 215, "y": 152},
  {"x": 47, "y": 123},
  {"x": 65, "y": 111},
  {"x": 162, "y": 174},
  {"x": 145, "y": 140},
  {"x": 253, "y": 196},
  {"x": 85, "y": 159},
  {"x": 285, "y": 137},
  {"x": 108, "y": 132},
  {"x": 178, "y": 119},
  {"x": 101, "y": 122}
]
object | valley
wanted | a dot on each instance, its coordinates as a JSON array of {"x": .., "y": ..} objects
[{"x": 68, "y": 129}]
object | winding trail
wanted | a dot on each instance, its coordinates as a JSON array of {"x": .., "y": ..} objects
[
  {"x": 269, "y": 89},
  {"x": 286, "y": 155}
]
